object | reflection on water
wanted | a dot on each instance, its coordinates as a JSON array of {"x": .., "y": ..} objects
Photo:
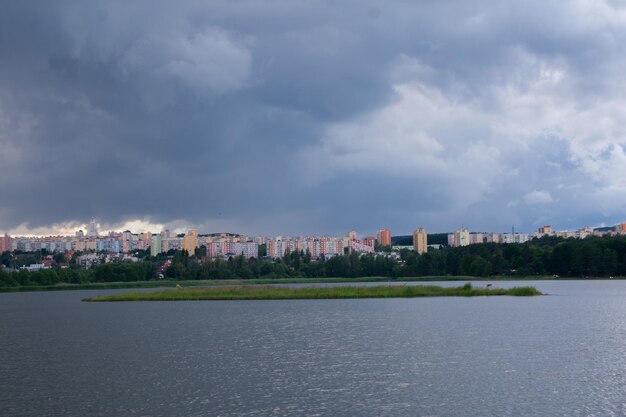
[{"x": 560, "y": 355}]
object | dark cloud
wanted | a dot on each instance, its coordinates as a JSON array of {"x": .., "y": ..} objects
[{"x": 312, "y": 117}]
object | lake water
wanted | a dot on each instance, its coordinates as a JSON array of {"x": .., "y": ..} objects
[{"x": 559, "y": 355}]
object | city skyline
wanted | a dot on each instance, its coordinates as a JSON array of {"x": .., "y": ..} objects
[
  {"x": 461, "y": 236},
  {"x": 94, "y": 227}
]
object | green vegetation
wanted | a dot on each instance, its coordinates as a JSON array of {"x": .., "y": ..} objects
[
  {"x": 288, "y": 293},
  {"x": 198, "y": 283},
  {"x": 258, "y": 281}
]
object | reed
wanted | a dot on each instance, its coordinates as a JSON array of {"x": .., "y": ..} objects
[{"x": 266, "y": 292}]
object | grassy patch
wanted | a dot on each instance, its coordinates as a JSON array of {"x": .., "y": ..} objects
[{"x": 264, "y": 292}]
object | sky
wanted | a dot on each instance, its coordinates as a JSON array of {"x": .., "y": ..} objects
[{"x": 312, "y": 117}]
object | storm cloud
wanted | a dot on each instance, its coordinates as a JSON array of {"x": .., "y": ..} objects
[{"x": 282, "y": 117}]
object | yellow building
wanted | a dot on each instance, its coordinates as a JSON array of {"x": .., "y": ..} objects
[
  {"x": 190, "y": 241},
  {"x": 420, "y": 241}
]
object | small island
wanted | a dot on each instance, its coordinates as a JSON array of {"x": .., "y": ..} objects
[{"x": 268, "y": 292}]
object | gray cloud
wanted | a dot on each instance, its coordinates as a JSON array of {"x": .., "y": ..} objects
[{"x": 312, "y": 117}]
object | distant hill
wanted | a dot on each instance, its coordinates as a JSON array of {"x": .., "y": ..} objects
[{"x": 433, "y": 239}]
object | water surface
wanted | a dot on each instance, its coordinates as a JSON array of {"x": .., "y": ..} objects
[{"x": 559, "y": 355}]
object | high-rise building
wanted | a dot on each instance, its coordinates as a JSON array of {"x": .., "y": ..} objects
[
  {"x": 477, "y": 238},
  {"x": 620, "y": 228},
  {"x": 384, "y": 237},
  {"x": 155, "y": 245},
  {"x": 545, "y": 230},
  {"x": 92, "y": 228},
  {"x": 146, "y": 237},
  {"x": 420, "y": 241},
  {"x": 352, "y": 235},
  {"x": 5, "y": 243},
  {"x": 190, "y": 241},
  {"x": 493, "y": 237},
  {"x": 369, "y": 241},
  {"x": 462, "y": 237}
]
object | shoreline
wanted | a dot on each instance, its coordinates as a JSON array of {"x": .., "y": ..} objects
[{"x": 265, "y": 281}]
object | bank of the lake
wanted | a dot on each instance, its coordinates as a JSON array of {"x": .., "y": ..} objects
[
  {"x": 264, "y": 292},
  {"x": 193, "y": 283},
  {"x": 265, "y": 281}
]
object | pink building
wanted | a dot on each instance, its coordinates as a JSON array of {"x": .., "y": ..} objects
[{"x": 369, "y": 241}]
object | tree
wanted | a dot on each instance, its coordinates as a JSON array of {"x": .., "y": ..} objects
[
  {"x": 6, "y": 259},
  {"x": 355, "y": 265},
  {"x": 201, "y": 252},
  {"x": 338, "y": 266},
  {"x": 480, "y": 267},
  {"x": 59, "y": 258}
]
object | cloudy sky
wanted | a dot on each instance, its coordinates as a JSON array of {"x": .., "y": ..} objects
[{"x": 312, "y": 117}]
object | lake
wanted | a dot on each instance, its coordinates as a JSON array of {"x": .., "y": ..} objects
[{"x": 558, "y": 355}]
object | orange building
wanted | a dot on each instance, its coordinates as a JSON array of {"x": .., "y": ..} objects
[{"x": 384, "y": 237}]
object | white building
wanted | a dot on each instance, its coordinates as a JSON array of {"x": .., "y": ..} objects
[
  {"x": 462, "y": 237},
  {"x": 155, "y": 245}
]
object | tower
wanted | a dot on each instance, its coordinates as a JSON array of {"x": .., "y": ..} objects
[
  {"x": 384, "y": 237},
  {"x": 92, "y": 228},
  {"x": 155, "y": 245},
  {"x": 461, "y": 237},
  {"x": 190, "y": 241},
  {"x": 5, "y": 243},
  {"x": 420, "y": 240}
]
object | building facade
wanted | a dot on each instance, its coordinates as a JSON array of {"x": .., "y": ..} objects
[
  {"x": 5, "y": 243},
  {"x": 155, "y": 245},
  {"x": 384, "y": 237},
  {"x": 190, "y": 241},
  {"x": 462, "y": 237},
  {"x": 420, "y": 240}
]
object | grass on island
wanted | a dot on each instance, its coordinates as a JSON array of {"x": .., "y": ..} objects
[{"x": 290, "y": 293}]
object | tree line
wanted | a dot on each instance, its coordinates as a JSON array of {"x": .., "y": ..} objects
[{"x": 590, "y": 257}]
